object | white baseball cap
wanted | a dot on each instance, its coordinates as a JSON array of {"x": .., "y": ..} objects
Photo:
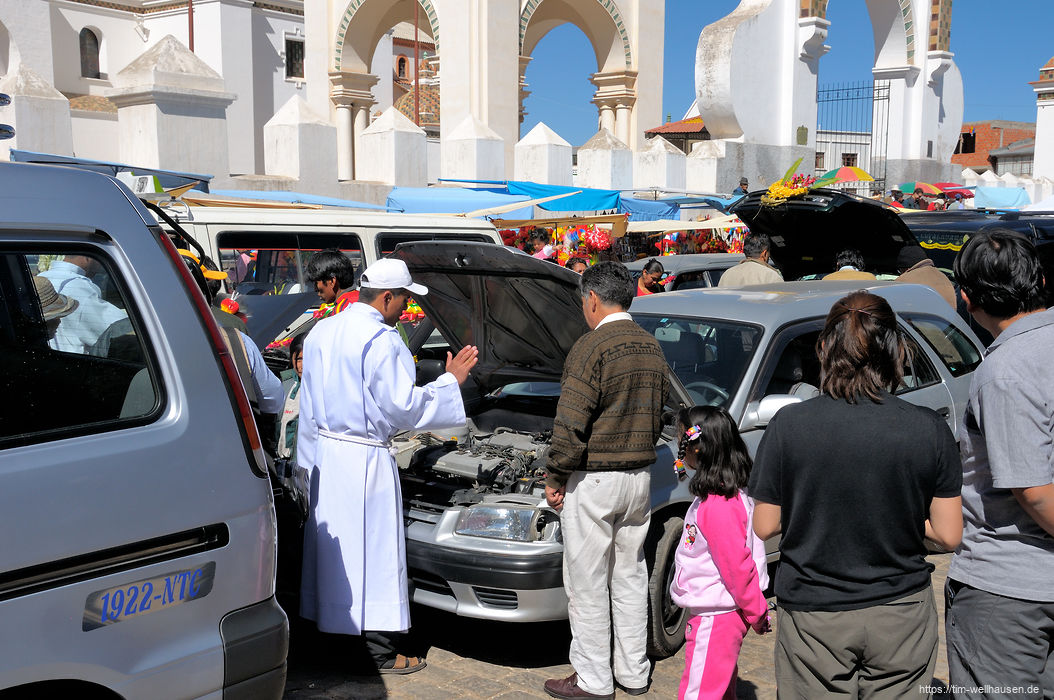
[{"x": 389, "y": 273}]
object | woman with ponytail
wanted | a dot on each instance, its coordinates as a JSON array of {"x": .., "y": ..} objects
[{"x": 855, "y": 480}]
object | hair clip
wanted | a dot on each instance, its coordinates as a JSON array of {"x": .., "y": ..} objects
[
  {"x": 678, "y": 469},
  {"x": 692, "y": 433},
  {"x": 859, "y": 311}
]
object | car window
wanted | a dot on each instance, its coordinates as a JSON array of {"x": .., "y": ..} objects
[
  {"x": 696, "y": 279},
  {"x": 952, "y": 347},
  {"x": 918, "y": 371},
  {"x": 708, "y": 356},
  {"x": 274, "y": 262},
  {"x": 794, "y": 368},
  {"x": 74, "y": 358}
]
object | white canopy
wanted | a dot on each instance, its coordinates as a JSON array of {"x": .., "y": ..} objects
[{"x": 667, "y": 225}]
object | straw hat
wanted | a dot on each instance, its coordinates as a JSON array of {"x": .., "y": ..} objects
[{"x": 52, "y": 304}]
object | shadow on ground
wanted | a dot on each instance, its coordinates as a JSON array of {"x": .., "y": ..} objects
[{"x": 514, "y": 644}]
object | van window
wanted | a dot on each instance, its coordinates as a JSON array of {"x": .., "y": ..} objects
[
  {"x": 386, "y": 242},
  {"x": 74, "y": 358},
  {"x": 269, "y": 262}
]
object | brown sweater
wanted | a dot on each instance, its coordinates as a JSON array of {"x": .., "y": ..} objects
[{"x": 610, "y": 412}]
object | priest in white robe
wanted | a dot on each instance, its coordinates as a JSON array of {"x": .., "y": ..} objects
[{"x": 358, "y": 390}]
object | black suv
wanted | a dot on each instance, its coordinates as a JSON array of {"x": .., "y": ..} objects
[{"x": 942, "y": 234}]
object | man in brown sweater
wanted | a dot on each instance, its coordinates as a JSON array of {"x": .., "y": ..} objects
[{"x": 607, "y": 422}]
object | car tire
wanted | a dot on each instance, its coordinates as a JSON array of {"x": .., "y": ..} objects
[{"x": 665, "y": 620}]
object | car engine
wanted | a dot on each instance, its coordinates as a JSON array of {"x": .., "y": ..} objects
[{"x": 462, "y": 466}]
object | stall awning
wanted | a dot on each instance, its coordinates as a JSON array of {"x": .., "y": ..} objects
[
  {"x": 451, "y": 200},
  {"x": 670, "y": 225},
  {"x": 617, "y": 222},
  {"x": 297, "y": 198},
  {"x": 586, "y": 199}
]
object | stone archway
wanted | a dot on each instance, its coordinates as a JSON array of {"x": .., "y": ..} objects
[
  {"x": 361, "y": 27},
  {"x": 376, "y": 19},
  {"x": 603, "y": 25}
]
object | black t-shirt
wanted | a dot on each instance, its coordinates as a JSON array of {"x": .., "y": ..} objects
[{"x": 854, "y": 483}]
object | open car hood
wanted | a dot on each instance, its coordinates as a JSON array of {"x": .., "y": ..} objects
[
  {"x": 522, "y": 313},
  {"x": 808, "y": 232}
]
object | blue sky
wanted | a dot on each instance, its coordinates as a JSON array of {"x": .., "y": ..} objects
[{"x": 997, "y": 51}]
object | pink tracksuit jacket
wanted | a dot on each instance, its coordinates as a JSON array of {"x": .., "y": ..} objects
[{"x": 720, "y": 561}]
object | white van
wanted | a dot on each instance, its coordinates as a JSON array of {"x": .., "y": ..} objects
[{"x": 266, "y": 250}]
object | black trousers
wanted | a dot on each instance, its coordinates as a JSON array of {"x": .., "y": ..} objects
[{"x": 383, "y": 646}]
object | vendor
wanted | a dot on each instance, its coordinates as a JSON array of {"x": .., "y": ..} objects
[{"x": 649, "y": 278}]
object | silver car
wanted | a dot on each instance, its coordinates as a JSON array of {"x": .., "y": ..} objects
[{"x": 480, "y": 540}]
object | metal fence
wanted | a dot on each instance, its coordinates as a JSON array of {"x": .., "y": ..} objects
[{"x": 852, "y": 128}]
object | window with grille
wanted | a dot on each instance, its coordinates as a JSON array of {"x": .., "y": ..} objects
[
  {"x": 820, "y": 160},
  {"x": 849, "y": 159},
  {"x": 294, "y": 58}
]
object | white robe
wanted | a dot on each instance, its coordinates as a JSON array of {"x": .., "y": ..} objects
[{"x": 359, "y": 381}]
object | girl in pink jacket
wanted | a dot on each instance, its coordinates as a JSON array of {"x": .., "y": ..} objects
[{"x": 721, "y": 570}]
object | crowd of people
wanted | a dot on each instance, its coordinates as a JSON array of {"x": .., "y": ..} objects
[{"x": 855, "y": 614}]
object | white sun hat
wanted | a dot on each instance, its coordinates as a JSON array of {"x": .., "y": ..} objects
[{"x": 389, "y": 273}]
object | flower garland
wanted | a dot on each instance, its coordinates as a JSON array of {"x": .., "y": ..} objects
[{"x": 792, "y": 185}]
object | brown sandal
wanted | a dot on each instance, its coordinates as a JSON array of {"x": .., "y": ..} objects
[{"x": 401, "y": 665}]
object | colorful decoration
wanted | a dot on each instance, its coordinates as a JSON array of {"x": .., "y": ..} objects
[
  {"x": 230, "y": 306},
  {"x": 678, "y": 469},
  {"x": 792, "y": 185},
  {"x": 413, "y": 312},
  {"x": 951, "y": 189},
  {"x": 598, "y": 239}
]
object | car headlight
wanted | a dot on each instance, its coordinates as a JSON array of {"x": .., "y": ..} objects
[{"x": 503, "y": 522}]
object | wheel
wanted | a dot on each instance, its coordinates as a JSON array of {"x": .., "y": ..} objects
[
  {"x": 665, "y": 620},
  {"x": 706, "y": 394}
]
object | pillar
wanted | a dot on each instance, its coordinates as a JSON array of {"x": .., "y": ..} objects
[
  {"x": 352, "y": 93},
  {"x": 615, "y": 97},
  {"x": 345, "y": 167}
]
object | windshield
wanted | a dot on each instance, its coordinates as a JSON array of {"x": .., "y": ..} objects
[{"x": 708, "y": 356}]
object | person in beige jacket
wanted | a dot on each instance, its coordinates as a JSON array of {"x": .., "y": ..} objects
[
  {"x": 916, "y": 268},
  {"x": 755, "y": 269}
]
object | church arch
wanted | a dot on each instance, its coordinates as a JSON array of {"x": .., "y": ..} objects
[
  {"x": 894, "y": 26},
  {"x": 353, "y": 50},
  {"x": 600, "y": 20}
]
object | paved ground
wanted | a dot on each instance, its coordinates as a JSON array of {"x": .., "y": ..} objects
[{"x": 502, "y": 661}]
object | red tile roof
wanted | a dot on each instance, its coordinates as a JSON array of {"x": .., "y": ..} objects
[{"x": 684, "y": 126}]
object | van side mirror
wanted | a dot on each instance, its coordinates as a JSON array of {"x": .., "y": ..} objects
[
  {"x": 429, "y": 370},
  {"x": 760, "y": 413}
]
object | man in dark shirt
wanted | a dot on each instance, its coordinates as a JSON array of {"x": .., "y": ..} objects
[{"x": 607, "y": 423}]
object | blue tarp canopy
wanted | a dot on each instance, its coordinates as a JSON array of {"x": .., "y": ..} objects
[
  {"x": 453, "y": 200},
  {"x": 1001, "y": 198},
  {"x": 700, "y": 201},
  {"x": 587, "y": 199},
  {"x": 648, "y": 209},
  {"x": 167, "y": 178},
  {"x": 297, "y": 198}
]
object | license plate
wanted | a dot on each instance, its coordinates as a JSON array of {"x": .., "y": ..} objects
[{"x": 143, "y": 597}]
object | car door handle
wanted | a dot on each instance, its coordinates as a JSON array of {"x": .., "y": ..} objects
[{"x": 944, "y": 412}]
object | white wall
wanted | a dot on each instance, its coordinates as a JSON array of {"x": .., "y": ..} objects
[{"x": 94, "y": 135}]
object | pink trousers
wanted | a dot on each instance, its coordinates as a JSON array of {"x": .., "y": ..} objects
[{"x": 712, "y": 650}]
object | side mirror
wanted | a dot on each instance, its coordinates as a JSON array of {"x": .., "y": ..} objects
[
  {"x": 760, "y": 413},
  {"x": 429, "y": 370}
]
